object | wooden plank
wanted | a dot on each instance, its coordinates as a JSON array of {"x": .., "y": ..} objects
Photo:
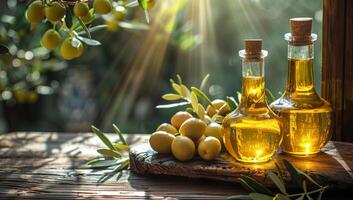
[
  {"x": 332, "y": 166},
  {"x": 333, "y": 53},
  {"x": 348, "y": 75},
  {"x": 47, "y": 166}
]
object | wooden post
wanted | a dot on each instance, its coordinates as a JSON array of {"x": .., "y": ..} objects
[{"x": 337, "y": 69}]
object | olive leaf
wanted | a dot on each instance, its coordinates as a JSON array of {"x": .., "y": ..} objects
[
  {"x": 172, "y": 105},
  {"x": 84, "y": 27},
  {"x": 95, "y": 161},
  {"x": 194, "y": 101},
  {"x": 258, "y": 187},
  {"x": 201, "y": 95},
  {"x": 103, "y": 164},
  {"x": 246, "y": 186},
  {"x": 122, "y": 147},
  {"x": 185, "y": 92},
  {"x": 204, "y": 82},
  {"x": 88, "y": 41},
  {"x": 171, "y": 97},
  {"x": 277, "y": 182},
  {"x": 179, "y": 79},
  {"x": 293, "y": 172},
  {"x": 201, "y": 111},
  {"x": 109, "y": 153},
  {"x": 176, "y": 88},
  {"x": 103, "y": 137},
  {"x": 232, "y": 103},
  {"x": 239, "y": 96},
  {"x": 121, "y": 137},
  {"x": 133, "y": 26},
  {"x": 68, "y": 18}
]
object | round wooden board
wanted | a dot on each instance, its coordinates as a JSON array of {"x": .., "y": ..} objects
[{"x": 332, "y": 166}]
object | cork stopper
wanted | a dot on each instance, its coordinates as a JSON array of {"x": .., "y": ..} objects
[
  {"x": 253, "y": 47},
  {"x": 301, "y": 30}
]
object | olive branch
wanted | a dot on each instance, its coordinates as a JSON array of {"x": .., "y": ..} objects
[
  {"x": 260, "y": 192},
  {"x": 193, "y": 96}
]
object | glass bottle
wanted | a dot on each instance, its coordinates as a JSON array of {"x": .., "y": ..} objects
[
  {"x": 252, "y": 132},
  {"x": 306, "y": 117}
]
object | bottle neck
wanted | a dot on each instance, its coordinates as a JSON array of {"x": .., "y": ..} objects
[
  {"x": 253, "y": 86},
  {"x": 300, "y": 69}
]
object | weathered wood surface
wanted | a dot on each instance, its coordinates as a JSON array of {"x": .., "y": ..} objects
[
  {"x": 331, "y": 167},
  {"x": 47, "y": 166}
]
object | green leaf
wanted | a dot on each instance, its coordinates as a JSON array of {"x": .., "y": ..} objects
[
  {"x": 4, "y": 49},
  {"x": 246, "y": 186},
  {"x": 201, "y": 95},
  {"x": 122, "y": 166},
  {"x": 279, "y": 172},
  {"x": 258, "y": 187},
  {"x": 258, "y": 196},
  {"x": 95, "y": 161},
  {"x": 68, "y": 18},
  {"x": 93, "y": 29},
  {"x": 134, "y": 26},
  {"x": 173, "y": 105},
  {"x": 293, "y": 172},
  {"x": 194, "y": 101},
  {"x": 103, "y": 164},
  {"x": 171, "y": 97},
  {"x": 88, "y": 41},
  {"x": 277, "y": 182},
  {"x": 201, "y": 112},
  {"x": 185, "y": 92},
  {"x": 232, "y": 103},
  {"x": 103, "y": 137},
  {"x": 121, "y": 137},
  {"x": 122, "y": 147},
  {"x": 109, "y": 153},
  {"x": 239, "y": 96},
  {"x": 239, "y": 197},
  {"x": 176, "y": 88},
  {"x": 179, "y": 79},
  {"x": 204, "y": 82},
  {"x": 84, "y": 27}
]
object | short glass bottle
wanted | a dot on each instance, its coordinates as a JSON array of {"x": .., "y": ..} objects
[
  {"x": 306, "y": 117},
  {"x": 252, "y": 132}
]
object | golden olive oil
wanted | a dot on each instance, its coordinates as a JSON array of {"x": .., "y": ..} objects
[
  {"x": 306, "y": 117},
  {"x": 252, "y": 133}
]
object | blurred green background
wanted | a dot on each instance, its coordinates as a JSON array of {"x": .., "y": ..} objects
[{"x": 122, "y": 80}]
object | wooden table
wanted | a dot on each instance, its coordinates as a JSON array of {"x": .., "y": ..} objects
[{"x": 47, "y": 166}]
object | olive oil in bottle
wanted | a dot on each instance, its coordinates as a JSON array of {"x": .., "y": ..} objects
[
  {"x": 305, "y": 116},
  {"x": 252, "y": 132}
]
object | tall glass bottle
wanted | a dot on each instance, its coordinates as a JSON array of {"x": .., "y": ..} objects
[
  {"x": 305, "y": 116},
  {"x": 252, "y": 132}
]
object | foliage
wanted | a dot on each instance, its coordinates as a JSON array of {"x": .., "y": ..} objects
[
  {"x": 196, "y": 98},
  {"x": 259, "y": 192},
  {"x": 114, "y": 155}
]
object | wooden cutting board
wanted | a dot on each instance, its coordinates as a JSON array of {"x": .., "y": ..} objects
[{"x": 331, "y": 167}]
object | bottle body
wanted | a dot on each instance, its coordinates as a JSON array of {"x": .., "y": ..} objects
[
  {"x": 252, "y": 135},
  {"x": 252, "y": 132},
  {"x": 305, "y": 116}
]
